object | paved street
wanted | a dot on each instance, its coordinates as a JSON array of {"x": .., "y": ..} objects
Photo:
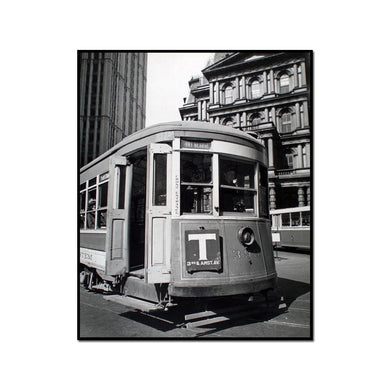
[{"x": 100, "y": 318}]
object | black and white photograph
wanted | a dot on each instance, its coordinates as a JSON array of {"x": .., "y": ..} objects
[
  {"x": 194, "y": 195},
  {"x": 195, "y": 215}
]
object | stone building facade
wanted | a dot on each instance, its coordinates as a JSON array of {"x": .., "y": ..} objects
[
  {"x": 112, "y": 99},
  {"x": 268, "y": 95}
]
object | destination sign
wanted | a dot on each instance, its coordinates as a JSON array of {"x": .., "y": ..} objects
[{"x": 195, "y": 144}]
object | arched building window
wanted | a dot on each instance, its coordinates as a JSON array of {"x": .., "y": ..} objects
[
  {"x": 285, "y": 122},
  {"x": 255, "y": 89},
  {"x": 290, "y": 158},
  {"x": 228, "y": 94},
  {"x": 284, "y": 83},
  {"x": 228, "y": 122},
  {"x": 255, "y": 121}
]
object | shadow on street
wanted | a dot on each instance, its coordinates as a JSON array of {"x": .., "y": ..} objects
[
  {"x": 292, "y": 289},
  {"x": 259, "y": 310}
]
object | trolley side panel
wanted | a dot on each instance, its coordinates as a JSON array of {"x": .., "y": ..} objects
[
  {"x": 93, "y": 240},
  {"x": 92, "y": 250},
  {"x": 295, "y": 238}
]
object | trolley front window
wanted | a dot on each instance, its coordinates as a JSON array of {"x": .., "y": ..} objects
[
  {"x": 237, "y": 186},
  {"x": 196, "y": 183}
]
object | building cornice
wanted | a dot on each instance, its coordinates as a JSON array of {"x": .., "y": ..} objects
[{"x": 268, "y": 60}]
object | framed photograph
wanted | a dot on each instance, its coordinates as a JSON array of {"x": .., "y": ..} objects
[{"x": 195, "y": 195}]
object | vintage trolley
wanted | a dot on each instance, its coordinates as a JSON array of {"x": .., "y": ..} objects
[
  {"x": 177, "y": 210},
  {"x": 291, "y": 227}
]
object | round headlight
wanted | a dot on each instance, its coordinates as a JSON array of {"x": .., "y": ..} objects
[{"x": 246, "y": 236}]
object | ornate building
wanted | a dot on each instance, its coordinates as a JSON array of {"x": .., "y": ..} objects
[
  {"x": 268, "y": 95},
  {"x": 112, "y": 89}
]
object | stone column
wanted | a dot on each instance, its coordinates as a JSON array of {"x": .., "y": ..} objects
[
  {"x": 308, "y": 164},
  {"x": 295, "y": 76},
  {"x": 272, "y": 198},
  {"x": 301, "y": 197},
  {"x": 243, "y": 87},
  {"x": 265, "y": 82},
  {"x": 273, "y": 115},
  {"x": 305, "y": 114},
  {"x": 300, "y": 156},
  {"x": 297, "y": 115},
  {"x": 272, "y": 90},
  {"x": 217, "y": 92},
  {"x": 211, "y": 92},
  {"x": 238, "y": 123},
  {"x": 308, "y": 196},
  {"x": 199, "y": 110},
  {"x": 244, "y": 119},
  {"x": 217, "y": 119},
  {"x": 236, "y": 95},
  {"x": 266, "y": 114},
  {"x": 303, "y": 70},
  {"x": 270, "y": 152}
]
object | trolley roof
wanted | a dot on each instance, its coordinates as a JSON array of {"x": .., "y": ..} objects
[
  {"x": 210, "y": 128},
  {"x": 290, "y": 210}
]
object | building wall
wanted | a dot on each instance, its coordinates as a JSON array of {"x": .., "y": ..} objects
[
  {"x": 267, "y": 94},
  {"x": 112, "y": 99}
]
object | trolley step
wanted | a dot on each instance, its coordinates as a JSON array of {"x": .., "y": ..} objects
[{"x": 134, "y": 303}]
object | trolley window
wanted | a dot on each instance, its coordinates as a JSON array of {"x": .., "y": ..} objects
[
  {"x": 83, "y": 196},
  {"x": 286, "y": 219},
  {"x": 102, "y": 206},
  {"x": 196, "y": 183},
  {"x": 305, "y": 218},
  {"x": 237, "y": 186},
  {"x": 160, "y": 180},
  {"x": 121, "y": 176},
  {"x": 264, "y": 210},
  {"x": 296, "y": 219},
  {"x": 91, "y": 207},
  {"x": 93, "y": 203}
]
